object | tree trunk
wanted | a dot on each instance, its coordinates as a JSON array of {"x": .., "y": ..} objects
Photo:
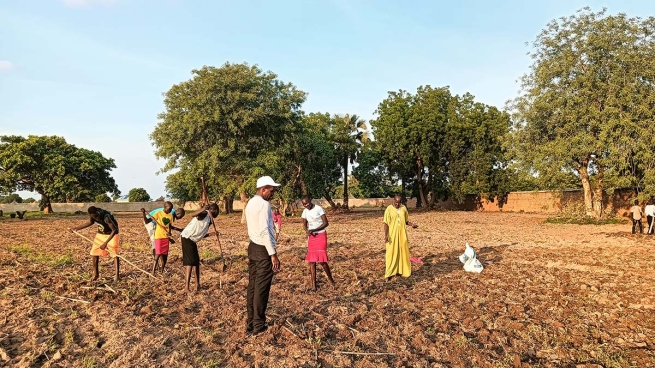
[
  {"x": 244, "y": 201},
  {"x": 421, "y": 185},
  {"x": 303, "y": 187},
  {"x": 204, "y": 198},
  {"x": 228, "y": 204},
  {"x": 598, "y": 194},
  {"x": 586, "y": 191},
  {"x": 45, "y": 204},
  {"x": 330, "y": 200},
  {"x": 345, "y": 183},
  {"x": 283, "y": 207},
  {"x": 402, "y": 188}
]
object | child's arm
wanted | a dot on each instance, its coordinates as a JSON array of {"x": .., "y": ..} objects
[
  {"x": 146, "y": 219},
  {"x": 84, "y": 226}
]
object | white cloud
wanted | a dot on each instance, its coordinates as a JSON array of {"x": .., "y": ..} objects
[
  {"x": 6, "y": 65},
  {"x": 85, "y": 3}
]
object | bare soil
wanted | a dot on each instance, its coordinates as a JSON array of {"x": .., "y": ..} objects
[{"x": 551, "y": 295}]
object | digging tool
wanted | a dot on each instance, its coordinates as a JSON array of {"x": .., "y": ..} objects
[
  {"x": 116, "y": 255},
  {"x": 218, "y": 239},
  {"x": 204, "y": 201}
]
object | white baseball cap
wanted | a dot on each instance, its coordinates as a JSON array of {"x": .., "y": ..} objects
[{"x": 266, "y": 180}]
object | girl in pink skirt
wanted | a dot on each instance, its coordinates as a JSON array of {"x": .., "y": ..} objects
[{"x": 315, "y": 222}]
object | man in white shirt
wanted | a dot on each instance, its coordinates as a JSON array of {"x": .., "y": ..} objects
[
  {"x": 650, "y": 215},
  {"x": 262, "y": 254}
]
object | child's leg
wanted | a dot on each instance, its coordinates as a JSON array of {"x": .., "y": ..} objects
[
  {"x": 154, "y": 264},
  {"x": 326, "y": 268},
  {"x": 117, "y": 263},
  {"x": 94, "y": 262},
  {"x": 312, "y": 274},
  {"x": 164, "y": 258},
  {"x": 187, "y": 277},
  {"x": 197, "y": 277}
]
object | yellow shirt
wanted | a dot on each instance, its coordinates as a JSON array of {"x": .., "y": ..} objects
[{"x": 165, "y": 219}]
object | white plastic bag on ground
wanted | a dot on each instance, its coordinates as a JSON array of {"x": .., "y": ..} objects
[{"x": 470, "y": 260}]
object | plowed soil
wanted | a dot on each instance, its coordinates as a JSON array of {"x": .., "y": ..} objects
[{"x": 549, "y": 296}]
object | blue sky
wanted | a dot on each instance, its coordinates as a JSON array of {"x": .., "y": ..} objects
[{"x": 93, "y": 71}]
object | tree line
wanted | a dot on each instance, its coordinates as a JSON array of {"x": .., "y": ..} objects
[{"x": 582, "y": 119}]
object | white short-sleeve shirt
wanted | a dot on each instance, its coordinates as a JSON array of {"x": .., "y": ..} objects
[{"x": 313, "y": 217}]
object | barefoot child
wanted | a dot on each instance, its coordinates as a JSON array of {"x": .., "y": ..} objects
[
  {"x": 277, "y": 223},
  {"x": 107, "y": 236},
  {"x": 315, "y": 222},
  {"x": 197, "y": 229},
  {"x": 151, "y": 225},
  {"x": 164, "y": 220}
]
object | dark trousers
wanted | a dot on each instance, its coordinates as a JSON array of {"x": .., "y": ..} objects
[
  {"x": 636, "y": 223},
  {"x": 650, "y": 221},
  {"x": 260, "y": 276}
]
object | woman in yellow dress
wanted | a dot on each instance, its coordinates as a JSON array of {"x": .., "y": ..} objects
[{"x": 396, "y": 220}]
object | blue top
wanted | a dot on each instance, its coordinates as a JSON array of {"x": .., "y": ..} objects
[{"x": 152, "y": 213}]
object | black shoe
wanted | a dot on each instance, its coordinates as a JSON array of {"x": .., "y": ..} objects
[{"x": 257, "y": 331}]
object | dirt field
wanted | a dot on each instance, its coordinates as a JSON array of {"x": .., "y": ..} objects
[{"x": 550, "y": 296}]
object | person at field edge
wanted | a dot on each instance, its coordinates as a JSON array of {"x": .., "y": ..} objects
[
  {"x": 277, "y": 223},
  {"x": 197, "y": 229},
  {"x": 396, "y": 220},
  {"x": 262, "y": 254},
  {"x": 107, "y": 237},
  {"x": 315, "y": 221},
  {"x": 649, "y": 211},
  {"x": 151, "y": 226},
  {"x": 636, "y": 217}
]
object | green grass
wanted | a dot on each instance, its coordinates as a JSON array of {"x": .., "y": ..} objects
[
  {"x": 584, "y": 221},
  {"x": 209, "y": 256},
  {"x": 37, "y": 257},
  {"x": 36, "y": 215}
]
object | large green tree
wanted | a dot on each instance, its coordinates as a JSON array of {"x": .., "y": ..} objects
[
  {"x": 444, "y": 145},
  {"x": 312, "y": 165},
  {"x": 587, "y": 103},
  {"x": 391, "y": 131},
  {"x": 55, "y": 169},
  {"x": 374, "y": 180},
  {"x": 227, "y": 125},
  {"x": 474, "y": 149},
  {"x": 412, "y": 129}
]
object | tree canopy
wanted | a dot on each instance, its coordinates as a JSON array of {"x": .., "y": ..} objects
[
  {"x": 587, "y": 103},
  {"x": 11, "y": 198},
  {"x": 55, "y": 169},
  {"x": 225, "y": 124},
  {"x": 138, "y": 195},
  {"x": 447, "y": 145}
]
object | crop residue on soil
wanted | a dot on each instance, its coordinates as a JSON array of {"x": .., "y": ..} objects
[{"x": 550, "y": 296}]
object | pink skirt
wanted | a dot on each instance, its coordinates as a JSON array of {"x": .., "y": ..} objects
[
  {"x": 317, "y": 248},
  {"x": 161, "y": 246}
]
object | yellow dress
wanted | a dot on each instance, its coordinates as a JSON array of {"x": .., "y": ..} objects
[{"x": 397, "y": 257}]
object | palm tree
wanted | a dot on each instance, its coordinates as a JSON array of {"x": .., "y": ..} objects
[{"x": 348, "y": 134}]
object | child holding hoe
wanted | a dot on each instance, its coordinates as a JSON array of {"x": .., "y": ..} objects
[
  {"x": 197, "y": 229},
  {"x": 107, "y": 237},
  {"x": 164, "y": 221}
]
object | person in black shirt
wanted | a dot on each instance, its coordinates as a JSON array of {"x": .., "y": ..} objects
[{"x": 107, "y": 237}]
